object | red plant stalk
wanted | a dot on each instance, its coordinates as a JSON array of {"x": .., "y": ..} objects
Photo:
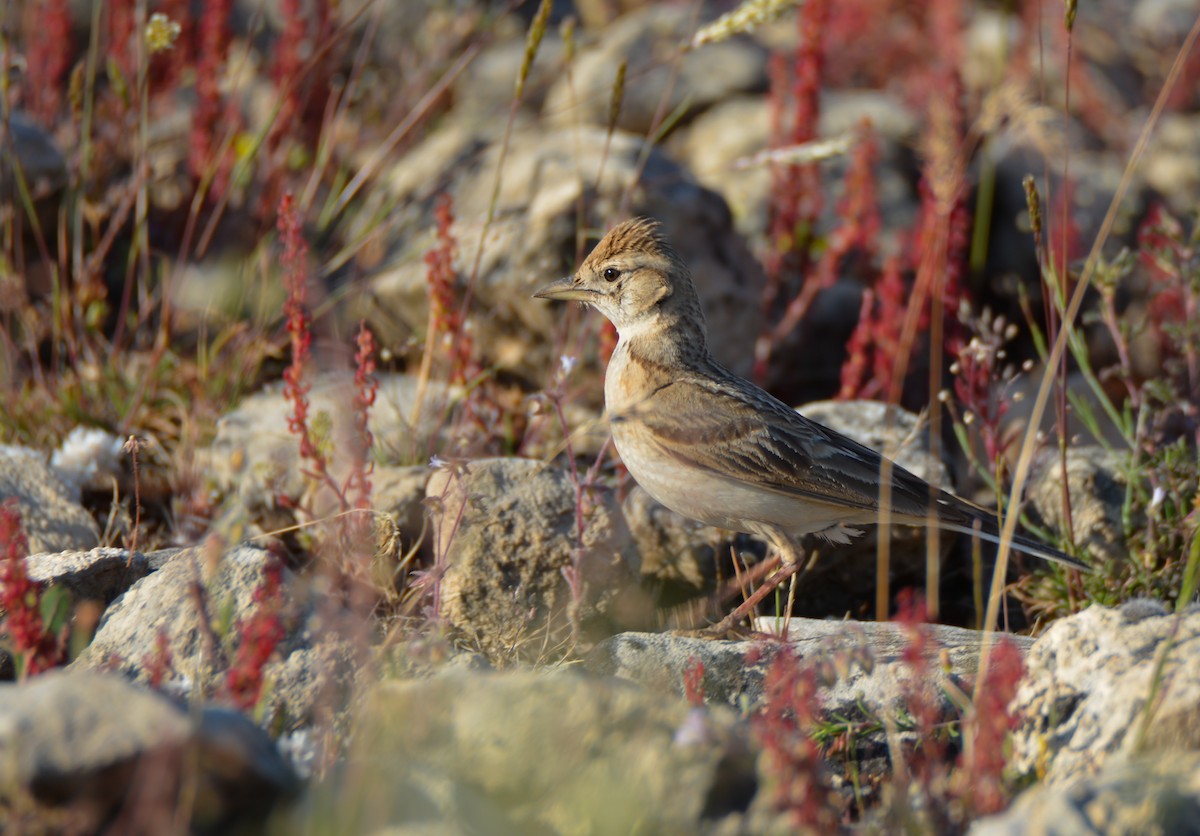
[
  {"x": 214, "y": 37},
  {"x": 858, "y": 212},
  {"x": 445, "y": 314},
  {"x": 357, "y": 492},
  {"x": 48, "y": 57},
  {"x": 876, "y": 338},
  {"x": 1170, "y": 256},
  {"x": 366, "y": 388},
  {"x": 294, "y": 262},
  {"x": 693, "y": 681},
  {"x": 979, "y": 780},
  {"x": 855, "y": 367},
  {"x": 927, "y": 760},
  {"x": 795, "y": 203},
  {"x": 260, "y": 634},
  {"x": 798, "y": 782},
  {"x": 35, "y": 647}
]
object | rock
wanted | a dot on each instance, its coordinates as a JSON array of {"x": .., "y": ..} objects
[
  {"x": 505, "y": 530},
  {"x": 874, "y": 673},
  {"x": 532, "y": 239},
  {"x": 1159, "y": 794},
  {"x": 488, "y": 85},
  {"x": 310, "y": 680},
  {"x": 544, "y": 753},
  {"x": 1097, "y": 488},
  {"x": 96, "y": 575},
  {"x": 649, "y": 39},
  {"x": 720, "y": 144},
  {"x": 166, "y": 602},
  {"x": 100, "y": 747},
  {"x": 711, "y": 146},
  {"x": 52, "y": 519},
  {"x": 255, "y": 458},
  {"x": 1170, "y": 165},
  {"x": 42, "y": 165},
  {"x": 1090, "y": 679},
  {"x": 400, "y": 493}
]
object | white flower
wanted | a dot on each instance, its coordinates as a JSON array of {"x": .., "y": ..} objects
[{"x": 566, "y": 363}]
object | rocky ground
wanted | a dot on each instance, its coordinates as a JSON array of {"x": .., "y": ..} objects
[{"x": 508, "y": 645}]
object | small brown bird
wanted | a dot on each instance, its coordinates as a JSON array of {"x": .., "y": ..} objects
[{"x": 718, "y": 449}]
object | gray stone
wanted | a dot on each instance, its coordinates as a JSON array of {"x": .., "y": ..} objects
[
  {"x": 166, "y": 601},
  {"x": 547, "y": 753},
  {"x": 649, "y": 40},
  {"x": 1171, "y": 166},
  {"x": 1097, "y": 488},
  {"x": 43, "y": 166},
  {"x": 1106, "y": 684},
  {"x": 869, "y": 658},
  {"x": 89, "y": 458},
  {"x": 505, "y": 531},
  {"x": 254, "y": 457},
  {"x": 102, "y": 748},
  {"x": 1150, "y": 795},
  {"x": 51, "y": 517},
  {"x": 721, "y": 145},
  {"x": 97, "y": 575},
  {"x": 399, "y": 492}
]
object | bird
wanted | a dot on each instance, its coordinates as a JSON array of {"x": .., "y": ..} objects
[{"x": 719, "y": 449}]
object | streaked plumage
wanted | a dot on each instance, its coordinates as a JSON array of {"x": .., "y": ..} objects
[{"x": 717, "y": 448}]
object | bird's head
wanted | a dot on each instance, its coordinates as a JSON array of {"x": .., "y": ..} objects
[{"x": 635, "y": 279}]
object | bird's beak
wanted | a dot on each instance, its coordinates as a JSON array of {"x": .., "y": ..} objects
[{"x": 564, "y": 290}]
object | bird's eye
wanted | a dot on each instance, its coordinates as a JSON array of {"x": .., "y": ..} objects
[{"x": 611, "y": 274}]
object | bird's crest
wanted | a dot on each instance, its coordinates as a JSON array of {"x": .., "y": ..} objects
[{"x": 635, "y": 235}]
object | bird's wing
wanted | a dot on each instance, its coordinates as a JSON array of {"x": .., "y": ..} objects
[{"x": 742, "y": 433}]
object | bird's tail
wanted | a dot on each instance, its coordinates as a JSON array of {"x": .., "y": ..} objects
[{"x": 1019, "y": 543}]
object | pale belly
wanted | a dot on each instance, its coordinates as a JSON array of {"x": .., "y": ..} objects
[{"x": 722, "y": 502}]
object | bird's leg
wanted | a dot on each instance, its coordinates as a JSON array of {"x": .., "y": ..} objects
[
  {"x": 768, "y": 586},
  {"x": 790, "y": 558}
]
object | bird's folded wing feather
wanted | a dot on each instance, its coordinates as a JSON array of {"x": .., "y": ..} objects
[{"x": 753, "y": 438}]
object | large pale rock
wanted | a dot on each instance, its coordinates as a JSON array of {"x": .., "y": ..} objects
[
  {"x": 97, "y": 575},
  {"x": 545, "y": 753},
  {"x": 254, "y": 457},
  {"x": 167, "y": 601},
  {"x": 53, "y": 519},
  {"x": 101, "y": 747},
  {"x": 1097, "y": 490},
  {"x": 1159, "y": 794},
  {"x": 505, "y": 531},
  {"x": 873, "y": 671},
  {"x": 1105, "y": 684},
  {"x": 649, "y": 40},
  {"x": 721, "y": 144}
]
